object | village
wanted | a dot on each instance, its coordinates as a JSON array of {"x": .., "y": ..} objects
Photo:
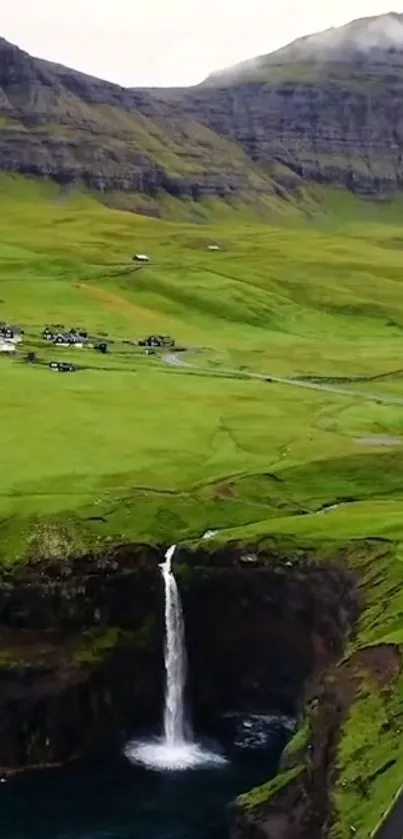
[{"x": 15, "y": 342}]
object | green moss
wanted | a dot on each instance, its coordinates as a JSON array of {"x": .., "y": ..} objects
[
  {"x": 7, "y": 123},
  {"x": 296, "y": 747},
  {"x": 263, "y": 794},
  {"x": 370, "y": 762},
  {"x": 96, "y": 644}
]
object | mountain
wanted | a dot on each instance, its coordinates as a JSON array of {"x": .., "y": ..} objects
[
  {"x": 368, "y": 45},
  {"x": 78, "y": 130},
  {"x": 326, "y": 109}
]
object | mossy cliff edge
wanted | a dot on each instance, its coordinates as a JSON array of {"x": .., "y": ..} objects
[
  {"x": 342, "y": 771},
  {"x": 268, "y": 625},
  {"x": 81, "y": 642}
]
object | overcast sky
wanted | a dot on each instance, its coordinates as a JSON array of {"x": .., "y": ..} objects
[{"x": 168, "y": 42}]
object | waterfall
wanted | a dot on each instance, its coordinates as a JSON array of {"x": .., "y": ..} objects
[
  {"x": 176, "y": 750},
  {"x": 175, "y": 657}
]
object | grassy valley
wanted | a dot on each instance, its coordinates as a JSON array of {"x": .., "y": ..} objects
[
  {"x": 132, "y": 444},
  {"x": 158, "y": 448}
]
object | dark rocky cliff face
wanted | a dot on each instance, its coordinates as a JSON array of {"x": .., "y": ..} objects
[
  {"x": 302, "y": 806},
  {"x": 264, "y": 132},
  {"x": 81, "y": 643},
  {"x": 80, "y": 131},
  {"x": 322, "y": 131}
]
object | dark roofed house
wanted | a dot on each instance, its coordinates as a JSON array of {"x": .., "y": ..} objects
[
  {"x": 68, "y": 339},
  {"x": 157, "y": 341},
  {"x": 11, "y": 333},
  {"x": 62, "y": 367},
  {"x": 167, "y": 341},
  {"x": 78, "y": 332},
  {"x": 76, "y": 341},
  {"x": 151, "y": 341},
  {"x": 62, "y": 339}
]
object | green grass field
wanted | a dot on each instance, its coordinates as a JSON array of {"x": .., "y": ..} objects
[
  {"x": 158, "y": 452},
  {"x": 133, "y": 448}
]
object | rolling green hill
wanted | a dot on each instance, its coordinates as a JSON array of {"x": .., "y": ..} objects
[{"x": 318, "y": 300}]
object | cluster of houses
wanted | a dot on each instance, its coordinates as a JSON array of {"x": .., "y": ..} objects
[
  {"x": 10, "y": 336},
  {"x": 73, "y": 338},
  {"x": 57, "y": 334}
]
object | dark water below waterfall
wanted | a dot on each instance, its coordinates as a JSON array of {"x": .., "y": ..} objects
[{"x": 112, "y": 799}]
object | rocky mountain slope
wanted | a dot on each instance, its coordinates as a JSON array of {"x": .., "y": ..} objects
[
  {"x": 58, "y": 123},
  {"x": 327, "y": 109}
]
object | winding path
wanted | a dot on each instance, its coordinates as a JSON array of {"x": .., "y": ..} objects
[{"x": 177, "y": 361}]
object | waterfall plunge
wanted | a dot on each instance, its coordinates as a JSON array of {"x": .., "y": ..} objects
[
  {"x": 176, "y": 750},
  {"x": 175, "y": 658}
]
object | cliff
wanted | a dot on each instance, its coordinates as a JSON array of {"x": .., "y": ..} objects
[
  {"x": 83, "y": 132},
  {"x": 327, "y": 109},
  {"x": 294, "y": 629},
  {"x": 342, "y": 770},
  {"x": 326, "y": 131},
  {"x": 81, "y": 643}
]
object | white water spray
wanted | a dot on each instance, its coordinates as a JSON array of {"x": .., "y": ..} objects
[{"x": 176, "y": 750}]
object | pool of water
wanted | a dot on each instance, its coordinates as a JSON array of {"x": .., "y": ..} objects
[{"x": 116, "y": 799}]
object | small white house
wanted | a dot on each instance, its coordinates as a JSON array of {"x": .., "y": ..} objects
[
  {"x": 213, "y": 247},
  {"x": 7, "y": 346},
  {"x": 141, "y": 257}
]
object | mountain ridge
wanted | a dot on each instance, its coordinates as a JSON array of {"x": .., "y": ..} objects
[
  {"x": 303, "y": 116},
  {"x": 372, "y": 40}
]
